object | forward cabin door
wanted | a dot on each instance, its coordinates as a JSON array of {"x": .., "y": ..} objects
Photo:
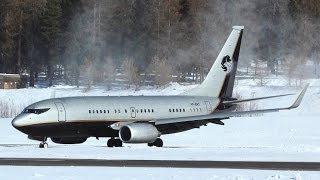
[
  {"x": 133, "y": 112},
  {"x": 208, "y": 106},
  {"x": 61, "y": 112}
]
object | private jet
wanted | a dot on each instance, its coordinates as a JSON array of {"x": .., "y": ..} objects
[{"x": 143, "y": 119}]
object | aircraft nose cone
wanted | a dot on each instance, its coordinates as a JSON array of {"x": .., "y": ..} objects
[
  {"x": 21, "y": 123},
  {"x": 17, "y": 122}
]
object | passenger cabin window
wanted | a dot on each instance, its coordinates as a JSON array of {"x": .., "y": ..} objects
[
  {"x": 97, "y": 111},
  {"x": 125, "y": 111},
  {"x": 104, "y": 111},
  {"x": 36, "y": 111},
  {"x": 169, "y": 110},
  {"x": 101, "y": 111},
  {"x": 148, "y": 110},
  {"x": 89, "y": 111},
  {"x": 152, "y": 110}
]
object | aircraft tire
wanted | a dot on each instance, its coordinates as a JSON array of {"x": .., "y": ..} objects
[
  {"x": 111, "y": 142},
  {"x": 43, "y": 145},
  {"x": 118, "y": 143},
  {"x": 158, "y": 143}
]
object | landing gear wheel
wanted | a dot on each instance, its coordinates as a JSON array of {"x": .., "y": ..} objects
[
  {"x": 111, "y": 142},
  {"x": 158, "y": 143},
  {"x": 118, "y": 143},
  {"x": 43, "y": 145},
  {"x": 114, "y": 143}
]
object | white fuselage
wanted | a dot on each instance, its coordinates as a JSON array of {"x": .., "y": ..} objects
[{"x": 116, "y": 109}]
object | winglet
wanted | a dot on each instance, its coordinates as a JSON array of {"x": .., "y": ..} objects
[
  {"x": 238, "y": 27},
  {"x": 297, "y": 102}
]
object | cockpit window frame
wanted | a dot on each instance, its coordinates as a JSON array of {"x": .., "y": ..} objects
[{"x": 35, "y": 110}]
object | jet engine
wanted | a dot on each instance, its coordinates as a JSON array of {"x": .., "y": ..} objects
[
  {"x": 69, "y": 140},
  {"x": 138, "y": 133}
]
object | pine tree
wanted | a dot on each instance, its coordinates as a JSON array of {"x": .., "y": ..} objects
[{"x": 50, "y": 28}]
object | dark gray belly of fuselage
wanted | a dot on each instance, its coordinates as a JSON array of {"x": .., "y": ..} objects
[
  {"x": 74, "y": 129},
  {"x": 95, "y": 129}
]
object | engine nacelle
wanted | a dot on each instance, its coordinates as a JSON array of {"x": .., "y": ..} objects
[
  {"x": 138, "y": 133},
  {"x": 68, "y": 140}
]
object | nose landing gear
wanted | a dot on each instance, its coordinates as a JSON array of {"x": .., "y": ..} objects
[{"x": 44, "y": 143}]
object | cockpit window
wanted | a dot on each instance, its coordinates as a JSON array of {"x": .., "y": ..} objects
[{"x": 36, "y": 111}]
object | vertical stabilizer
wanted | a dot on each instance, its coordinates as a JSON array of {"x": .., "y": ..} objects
[{"x": 220, "y": 79}]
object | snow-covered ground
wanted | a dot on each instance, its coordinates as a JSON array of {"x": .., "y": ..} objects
[
  {"x": 285, "y": 136},
  {"x": 110, "y": 173}
]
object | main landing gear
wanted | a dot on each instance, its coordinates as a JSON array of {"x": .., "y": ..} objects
[
  {"x": 44, "y": 143},
  {"x": 112, "y": 142},
  {"x": 158, "y": 143}
]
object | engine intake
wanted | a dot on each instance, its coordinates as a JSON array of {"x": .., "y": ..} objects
[{"x": 138, "y": 133}]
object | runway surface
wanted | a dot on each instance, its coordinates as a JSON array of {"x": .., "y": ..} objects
[{"x": 292, "y": 166}]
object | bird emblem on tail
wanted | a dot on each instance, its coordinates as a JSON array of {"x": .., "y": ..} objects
[{"x": 226, "y": 64}]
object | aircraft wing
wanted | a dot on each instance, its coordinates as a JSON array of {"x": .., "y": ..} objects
[
  {"x": 222, "y": 115},
  {"x": 253, "y": 99}
]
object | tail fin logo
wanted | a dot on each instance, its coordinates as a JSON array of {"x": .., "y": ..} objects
[{"x": 226, "y": 64}]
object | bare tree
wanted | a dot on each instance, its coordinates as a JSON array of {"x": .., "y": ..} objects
[
  {"x": 295, "y": 70},
  {"x": 162, "y": 71},
  {"x": 88, "y": 72},
  {"x": 130, "y": 72},
  {"x": 261, "y": 70},
  {"x": 109, "y": 72}
]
